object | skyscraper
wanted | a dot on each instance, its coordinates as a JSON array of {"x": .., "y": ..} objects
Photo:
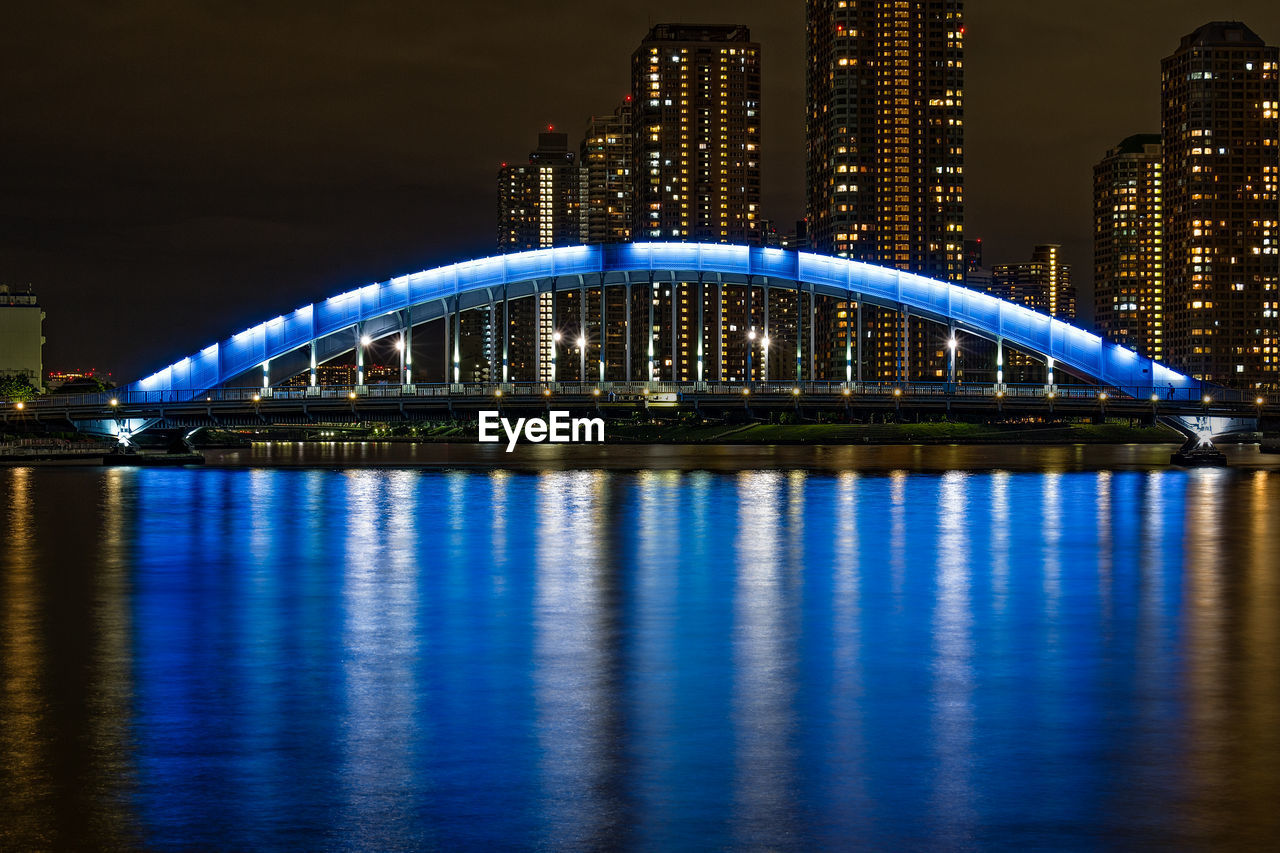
[
  {"x": 607, "y": 178},
  {"x": 1042, "y": 284},
  {"x": 539, "y": 206},
  {"x": 696, "y": 167},
  {"x": 1221, "y": 129},
  {"x": 885, "y": 143},
  {"x": 696, "y": 134},
  {"x": 1128, "y": 245},
  {"x": 539, "y": 202}
]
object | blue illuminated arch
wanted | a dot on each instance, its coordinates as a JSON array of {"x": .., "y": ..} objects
[{"x": 468, "y": 283}]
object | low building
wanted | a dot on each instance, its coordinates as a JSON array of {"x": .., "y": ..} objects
[{"x": 21, "y": 336}]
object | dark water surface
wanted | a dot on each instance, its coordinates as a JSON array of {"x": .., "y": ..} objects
[{"x": 895, "y": 648}]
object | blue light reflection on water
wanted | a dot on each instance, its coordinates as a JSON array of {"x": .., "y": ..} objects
[{"x": 393, "y": 659}]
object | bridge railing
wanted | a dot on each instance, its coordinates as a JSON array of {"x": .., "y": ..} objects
[{"x": 639, "y": 390}]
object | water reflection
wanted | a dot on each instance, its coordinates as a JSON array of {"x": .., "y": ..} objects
[
  {"x": 589, "y": 659},
  {"x": 952, "y": 666},
  {"x": 764, "y": 685}
]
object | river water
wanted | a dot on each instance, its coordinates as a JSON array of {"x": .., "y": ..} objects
[{"x": 398, "y": 648}]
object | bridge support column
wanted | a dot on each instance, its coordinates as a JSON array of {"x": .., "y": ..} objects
[
  {"x": 1048, "y": 374},
  {"x": 952, "y": 344},
  {"x": 999, "y": 363},
  {"x": 266, "y": 374},
  {"x": 702, "y": 335},
  {"x": 506, "y": 337},
  {"x": 799, "y": 330},
  {"x": 312, "y": 348},
  {"x": 448, "y": 353},
  {"x": 751, "y": 332},
  {"x": 457, "y": 340},
  {"x": 604, "y": 325},
  {"x": 653, "y": 295},
  {"x": 813, "y": 335},
  {"x": 859, "y": 336},
  {"x": 626, "y": 319},
  {"x": 582, "y": 329},
  {"x": 406, "y": 348},
  {"x": 360, "y": 353},
  {"x": 848, "y": 341},
  {"x": 764, "y": 344}
]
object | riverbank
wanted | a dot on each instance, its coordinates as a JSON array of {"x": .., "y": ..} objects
[{"x": 947, "y": 432}]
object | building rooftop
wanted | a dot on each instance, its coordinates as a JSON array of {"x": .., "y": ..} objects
[
  {"x": 1137, "y": 143},
  {"x": 1221, "y": 34},
  {"x": 9, "y": 298},
  {"x": 699, "y": 32}
]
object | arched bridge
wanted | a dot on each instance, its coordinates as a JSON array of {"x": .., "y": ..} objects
[
  {"x": 606, "y": 320},
  {"x": 339, "y": 323}
]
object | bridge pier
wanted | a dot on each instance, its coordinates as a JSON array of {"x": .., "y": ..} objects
[{"x": 359, "y": 329}]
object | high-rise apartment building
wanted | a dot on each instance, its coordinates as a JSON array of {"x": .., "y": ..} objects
[
  {"x": 1128, "y": 245},
  {"x": 539, "y": 202},
  {"x": 696, "y": 168},
  {"x": 1042, "y": 284},
  {"x": 885, "y": 154},
  {"x": 1221, "y": 131},
  {"x": 696, "y": 134},
  {"x": 539, "y": 206},
  {"x": 607, "y": 178}
]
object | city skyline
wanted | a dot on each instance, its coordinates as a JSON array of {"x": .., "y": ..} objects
[{"x": 175, "y": 226}]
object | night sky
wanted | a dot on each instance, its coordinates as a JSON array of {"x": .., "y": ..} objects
[{"x": 173, "y": 172}]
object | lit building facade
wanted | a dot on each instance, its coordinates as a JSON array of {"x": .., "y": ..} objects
[
  {"x": 1221, "y": 131},
  {"x": 607, "y": 185},
  {"x": 1042, "y": 284},
  {"x": 22, "y": 336},
  {"x": 885, "y": 155},
  {"x": 539, "y": 206},
  {"x": 1128, "y": 245},
  {"x": 539, "y": 202},
  {"x": 696, "y": 134}
]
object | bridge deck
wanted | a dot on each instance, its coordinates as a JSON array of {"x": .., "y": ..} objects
[{"x": 310, "y": 405}]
